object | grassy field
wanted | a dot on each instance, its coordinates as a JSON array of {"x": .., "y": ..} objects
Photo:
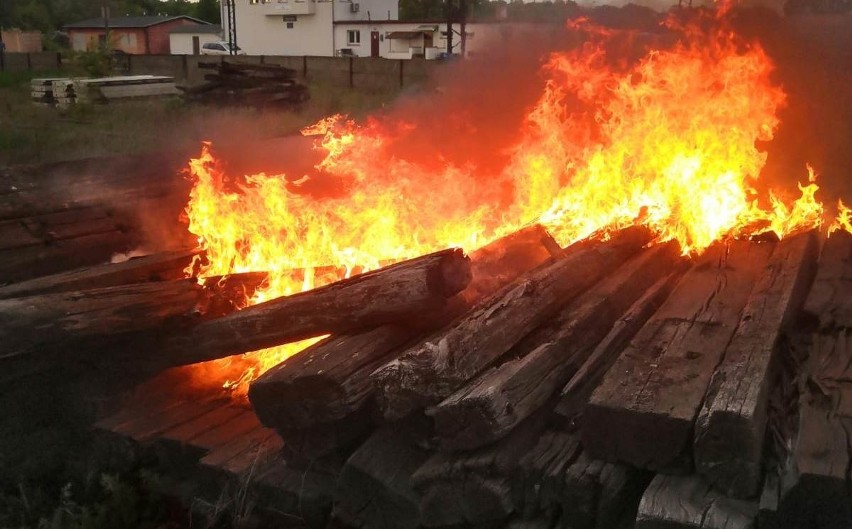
[{"x": 30, "y": 133}]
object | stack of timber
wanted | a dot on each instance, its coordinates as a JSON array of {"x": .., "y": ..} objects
[
  {"x": 105, "y": 89},
  {"x": 606, "y": 384},
  {"x": 41, "y": 91},
  {"x": 259, "y": 85}
]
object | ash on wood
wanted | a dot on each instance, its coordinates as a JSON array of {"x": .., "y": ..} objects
[
  {"x": 259, "y": 85},
  {"x": 402, "y": 291},
  {"x": 643, "y": 411},
  {"x": 429, "y": 372},
  {"x": 688, "y": 502},
  {"x": 330, "y": 380},
  {"x": 828, "y": 301},
  {"x": 730, "y": 427},
  {"x": 489, "y": 407},
  {"x": 156, "y": 267}
]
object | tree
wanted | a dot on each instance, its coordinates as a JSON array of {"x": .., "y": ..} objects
[{"x": 208, "y": 11}]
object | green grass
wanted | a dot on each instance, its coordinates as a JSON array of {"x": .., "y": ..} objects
[{"x": 30, "y": 133}]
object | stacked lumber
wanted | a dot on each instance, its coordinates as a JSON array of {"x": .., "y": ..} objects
[
  {"x": 41, "y": 91},
  {"x": 105, "y": 89},
  {"x": 809, "y": 483},
  {"x": 259, "y": 85},
  {"x": 522, "y": 385},
  {"x": 62, "y": 216}
]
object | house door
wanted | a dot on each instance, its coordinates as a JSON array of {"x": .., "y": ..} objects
[
  {"x": 196, "y": 46},
  {"x": 374, "y": 44}
]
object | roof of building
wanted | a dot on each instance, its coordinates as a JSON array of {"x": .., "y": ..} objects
[
  {"x": 130, "y": 22},
  {"x": 207, "y": 28}
]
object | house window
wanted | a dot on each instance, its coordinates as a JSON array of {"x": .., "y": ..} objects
[
  {"x": 353, "y": 37},
  {"x": 252, "y": 2},
  {"x": 289, "y": 25}
]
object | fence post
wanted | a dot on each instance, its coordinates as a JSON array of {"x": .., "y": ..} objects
[
  {"x": 130, "y": 64},
  {"x": 262, "y": 59},
  {"x": 304, "y": 66},
  {"x": 351, "y": 68},
  {"x": 58, "y": 60},
  {"x": 185, "y": 67},
  {"x": 401, "y": 74},
  {"x": 29, "y": 62},
  {"x": 2, "y": 60}
]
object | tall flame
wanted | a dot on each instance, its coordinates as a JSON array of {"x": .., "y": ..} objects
[{"x": 668, "y": 139}]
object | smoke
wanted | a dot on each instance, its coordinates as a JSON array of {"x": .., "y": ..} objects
[{"x": 813, "y": 59}]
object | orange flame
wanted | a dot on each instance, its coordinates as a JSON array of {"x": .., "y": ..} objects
[{"x": 668, "y": 139}]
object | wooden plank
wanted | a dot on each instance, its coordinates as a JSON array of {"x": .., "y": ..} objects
[
  {"x": 729, "y": 432},
  {"x": 827, "y": 301},
  {"x": 430, "y": 372},
  {"x": 220, "y": 455},
  {"x": 575, "y": 395},
  {"x": 375, "y": 486},
  {"x": 20, "y": 264},
  {"x": 330, "y": 380},
  {"x": 822, "y": 445},
  {"x": 156, "y": 267},
  {"x": 405, "y": 290},
  {"x": 493, "y": 404},
  {"x": 643, "y": 411},
  {"x": 688, "y": 502},
  {"x": 147, "y": 428},
  {"x": 185, "y": 432}
]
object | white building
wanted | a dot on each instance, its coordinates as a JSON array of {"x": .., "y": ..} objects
[
  {"x": 187, "y": 40},
  {"x": 325, "y": 28}
]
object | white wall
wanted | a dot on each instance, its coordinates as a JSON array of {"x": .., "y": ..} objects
[
  {"x": 312, "y": 34},
  {"x": 262, "y": 34},
  {"x": 181, "y": 43}
]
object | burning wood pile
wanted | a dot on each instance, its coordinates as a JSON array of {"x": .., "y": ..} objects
[
  {"x": 382, "y": 341},
  {"x": 259, "y": 85},
  {"x": 588, "y": 386}
]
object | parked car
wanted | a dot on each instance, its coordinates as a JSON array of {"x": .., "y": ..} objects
[{"x": 219, "y": 48}]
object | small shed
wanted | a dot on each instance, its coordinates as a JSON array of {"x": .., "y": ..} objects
[
  {"x": 132, "y": 35},
  {"x": 187, "y": 40}
]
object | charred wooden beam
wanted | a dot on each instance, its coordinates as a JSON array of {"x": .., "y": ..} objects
[
  {"x": 480, "y": 487},
  {"x": 644, "y": 409},
  {"x": 575, "y": 394},
  {"x": 492, "y": 405},
  {"x": 374, "y": 488},
  {"x": 402, "y": 291},
  {"x": 330, "y": 380},
  {"x": 828, "y": 302},
  {"x": 156, "y": 267},
  {"x": 49, "y": 329},
  {"x": 730, "y": 427},
  {"x": 429, "y": 372},
  {"x": 560, "y": 479},
  {"x": 688, "y": 502}
]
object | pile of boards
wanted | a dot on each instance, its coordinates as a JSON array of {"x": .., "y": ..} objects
[
  {"x": 68, "y": 91},
  {"x": 612, "y": 383},
  {"x": 258, "y": 85}
]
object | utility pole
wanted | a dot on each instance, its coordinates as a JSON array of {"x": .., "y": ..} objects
[
  {"x": 105, "y": 15},
  {"x": 450, "y": 13},
  {"x": 232, "y": 25}
]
